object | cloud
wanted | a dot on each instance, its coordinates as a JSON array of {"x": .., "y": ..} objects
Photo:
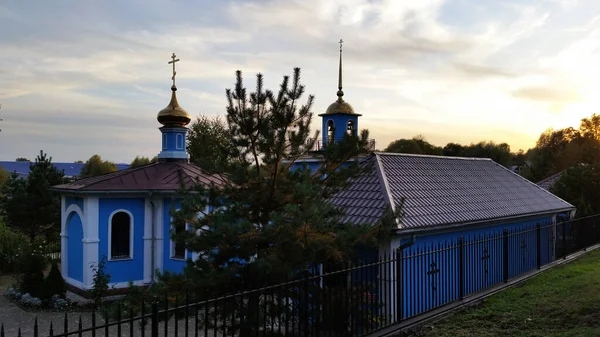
[
  {"x": 548, "y": 94},
  {"x": 454, "y": 70}
]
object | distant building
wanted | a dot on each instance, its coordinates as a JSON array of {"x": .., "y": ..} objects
[
  {"x": 547, "y": 183},
  {"x": 72, "y": 170}
]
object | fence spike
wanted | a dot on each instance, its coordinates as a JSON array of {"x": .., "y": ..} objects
[
  {"x": 35, "y": 327},
  {"x": 51, "y": 332},
  {"x": 2, "y": 330},
  {"x": 80, "y": 327},
  {"x": 66, "y": 324},
  {"x": 19, "y": 333}
]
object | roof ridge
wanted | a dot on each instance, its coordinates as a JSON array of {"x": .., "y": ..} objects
[
  {"x": 430, "y": 156},
  {"x": 550, "y": 177},
  {"x": 383, "y": 180},
  {"x": 111, "y": 175}
]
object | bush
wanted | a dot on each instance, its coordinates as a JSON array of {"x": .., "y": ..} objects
[
  {"x": 55, "y": 284},
  {"x": 31, "y": 269},
  {"x": 11, "y": 247},
  {"x": 100, "y": 282}
]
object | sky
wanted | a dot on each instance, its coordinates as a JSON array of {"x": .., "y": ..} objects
[{"x": 87, "y": 77}]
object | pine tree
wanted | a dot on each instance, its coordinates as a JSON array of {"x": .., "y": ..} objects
[
  {"x": 28, "y": 204},
  {"x": 272, "y": 223}
]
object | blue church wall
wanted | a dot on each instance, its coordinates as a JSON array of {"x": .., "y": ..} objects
[
  {"x": 431, "y": 267},
  {"x": 74, "y": 247},
  {"x": 171, "y": 264},
  {"x": 74, "y": 200},
  {"x": 174, "y": 139},
  {"x": 340, "y": 123},
  {"x": 123, "y": 270}
]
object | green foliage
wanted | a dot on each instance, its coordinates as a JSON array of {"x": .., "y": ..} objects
[
  {"x": 54, "y": 283},
  {"x": 31, "y": 272},
  {"x": 500, "y": 153},
  {"x": 209, "y": 143},
  {"x": 141, "y": 161},
  {"x": 580, "y": 186},
  {"x": 21, "y": 196},
  {"x": 11, "y": 247},
  {"x": 268, "y": 221},
  {"x": 4, "y": 175},
  {"x": 22, "y": 159},
  {"x": 100, "y": 282},
  {"x": 95, "y": 166},
  {"x": 416, "y": 145}
]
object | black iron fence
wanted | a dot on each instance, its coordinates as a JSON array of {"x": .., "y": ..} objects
[{"x": 354, "y": 301}]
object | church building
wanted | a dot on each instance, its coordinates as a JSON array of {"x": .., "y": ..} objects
[{"x": 125, "y": 216}]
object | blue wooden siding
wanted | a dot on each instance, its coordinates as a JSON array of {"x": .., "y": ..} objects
[
  {"x": 437, "y": 264},
  {"x": 74, "y": 247},
  {"x": 340, "y": 123},
  {"x": 129, "y": 269}
]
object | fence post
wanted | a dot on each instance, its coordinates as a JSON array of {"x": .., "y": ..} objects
[
  {"x": 505, "y": 259},
  {"x": 154, "y": 319},
  {"x": 564, "y": 239},
  {"x": 538, "y": 232},
  {"x": 461, "y": 268},
  {"x": 399, "y": 285},
  {"x": 306, "y": 307}
]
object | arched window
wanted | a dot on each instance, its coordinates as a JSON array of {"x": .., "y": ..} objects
[
  {"x": 120, "y": 236},
  {"x": 350, "y": 127},
  {"x": 330, "y": 131},
  {"x": 177, "y": 248}
]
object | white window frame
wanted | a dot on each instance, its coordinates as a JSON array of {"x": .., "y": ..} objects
[
  {"x": 131, "y": 232},
  {"x": 165, "y": 141},
  {"x": 172, "y": 244},
  {"x": 179, "y": 141}
]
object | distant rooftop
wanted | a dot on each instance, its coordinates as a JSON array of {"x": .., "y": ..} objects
[
  {"x": 71, "y": 169},
  {"x": 441, "y": 191}
]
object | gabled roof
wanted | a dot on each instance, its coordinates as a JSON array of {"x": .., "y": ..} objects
[
  {"x": 547, "y": 183},
  {"x": 161, "y": 176},
  {"x": 440, "y": 191},
  {"x": 70, "y": 169}
]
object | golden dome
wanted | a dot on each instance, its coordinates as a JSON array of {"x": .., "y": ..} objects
[
  {"x": 339, "y": 107},
  {"x": 173, "y": 115}
]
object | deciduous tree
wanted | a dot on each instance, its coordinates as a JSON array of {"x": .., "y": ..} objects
[
  {"x": 141, "y": 161},
  {"x": 209, "y": 143},
  {"x": 95, "y": 166}
]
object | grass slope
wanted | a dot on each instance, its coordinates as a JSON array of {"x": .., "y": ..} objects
[{"x": 564, "y": 301}]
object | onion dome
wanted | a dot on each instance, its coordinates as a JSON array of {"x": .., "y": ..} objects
[{"x": 173, "y": 115}]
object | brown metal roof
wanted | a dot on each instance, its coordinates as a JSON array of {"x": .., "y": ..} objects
[{"x": 161, "y": 176}]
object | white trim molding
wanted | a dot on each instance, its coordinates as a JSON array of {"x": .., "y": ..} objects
[
  {"x": 90, "y": 238},
  {"x": 131, "y": 234},
  {"x": 179, "y": 141},
  {"x": 172, "y": 243}
]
